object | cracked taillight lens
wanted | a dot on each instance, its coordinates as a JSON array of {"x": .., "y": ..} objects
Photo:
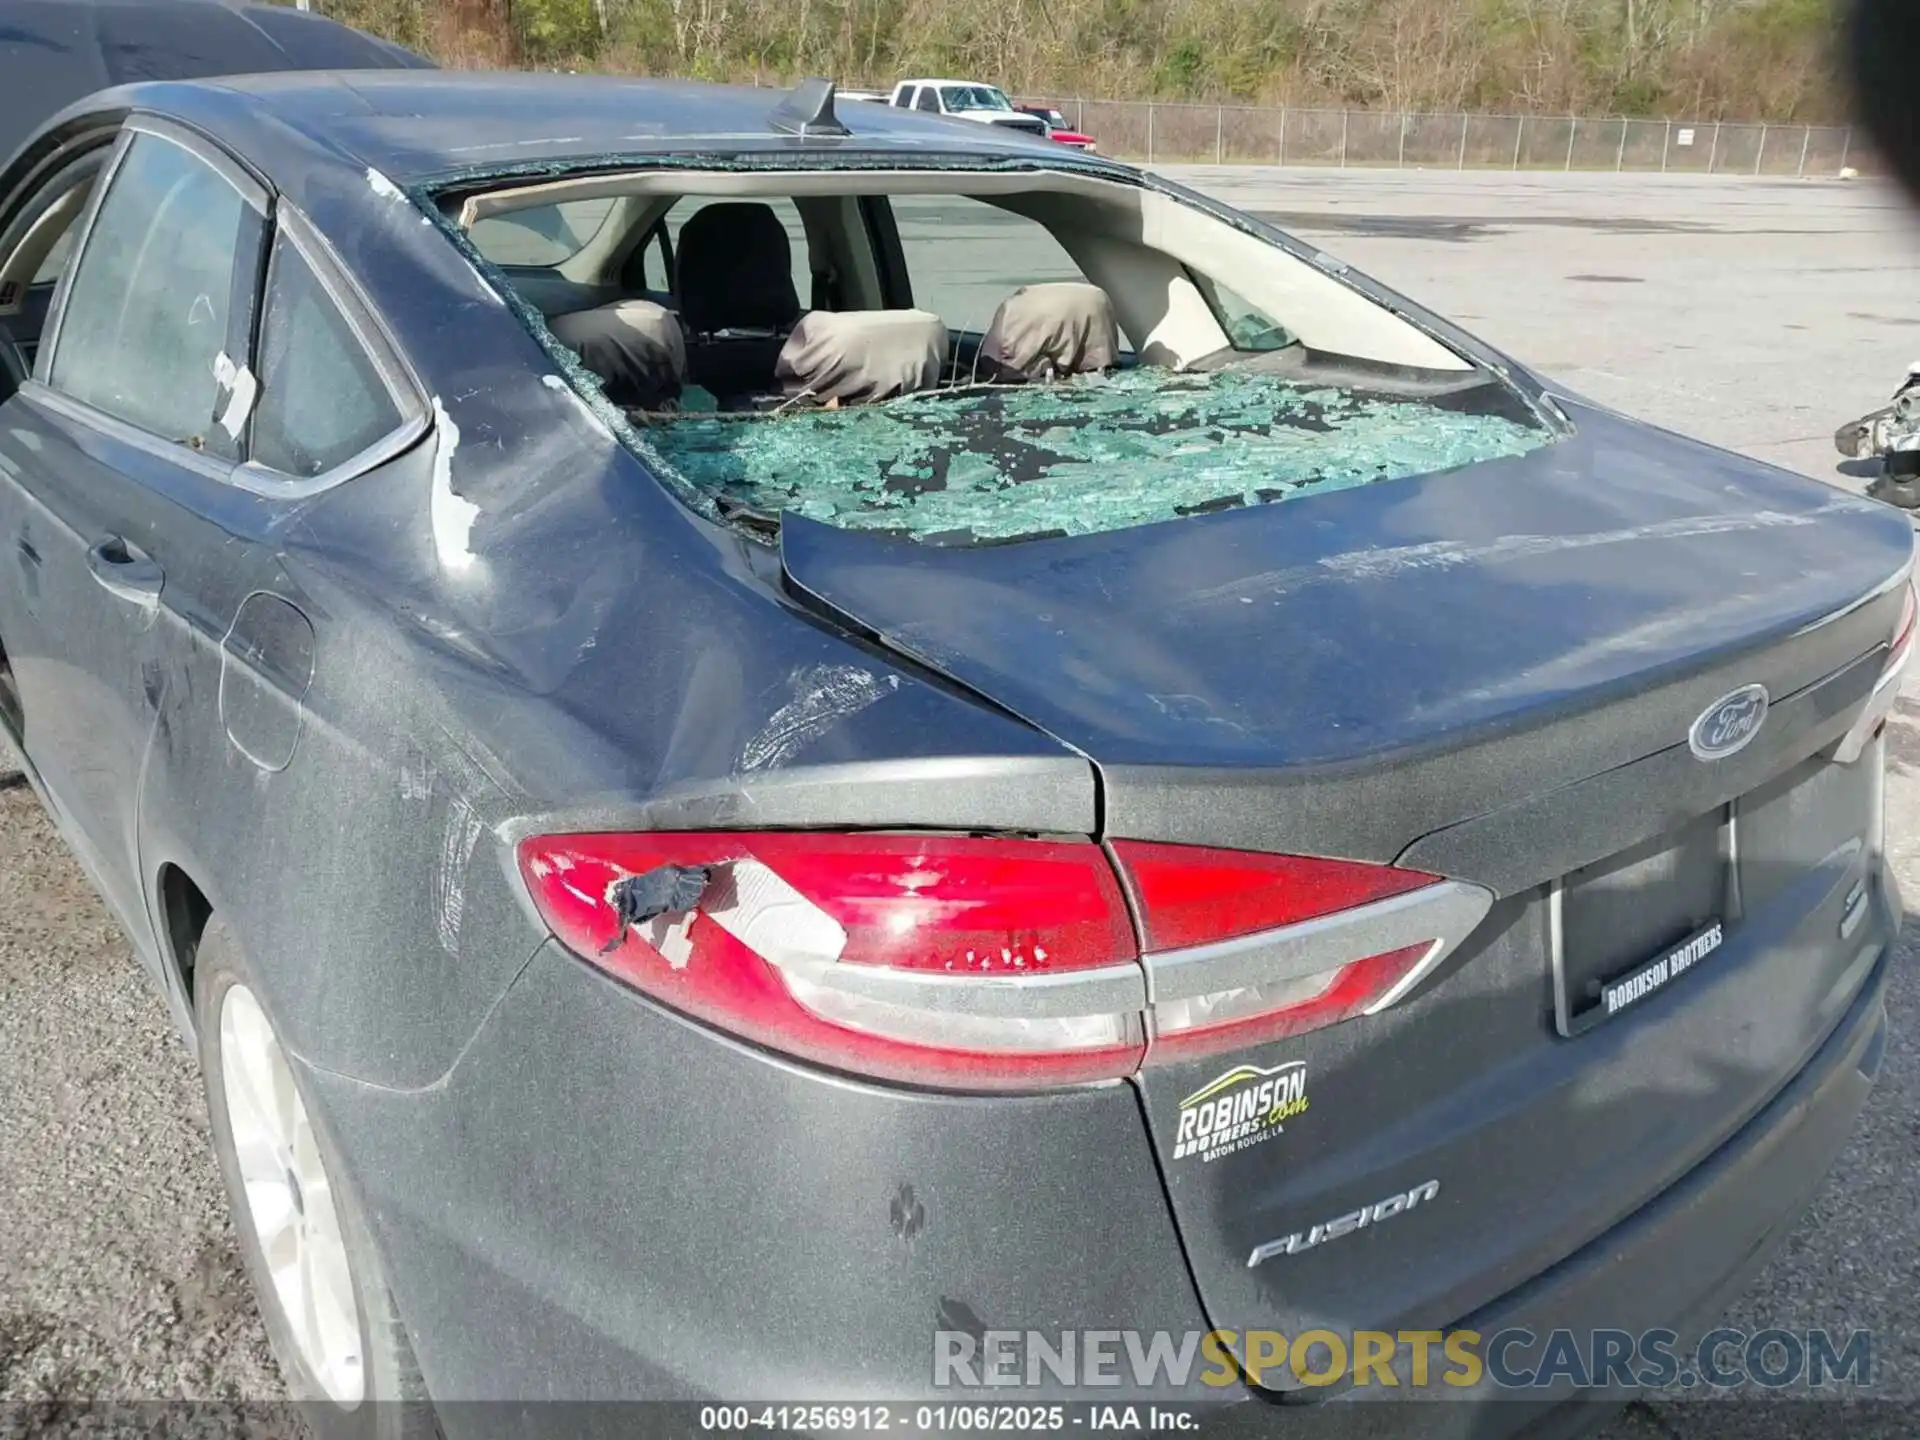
[{"x": 947, "y": 960}]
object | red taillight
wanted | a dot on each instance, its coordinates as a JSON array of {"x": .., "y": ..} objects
[
  {"x": 991, "y": 963},
  {"x": 980, "y": 963},
  {"x": 1194, "y": 896},
  {"x": 1245, "y": 948}
]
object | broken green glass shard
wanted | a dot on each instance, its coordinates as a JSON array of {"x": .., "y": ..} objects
[{"x": 992, "y": 464}]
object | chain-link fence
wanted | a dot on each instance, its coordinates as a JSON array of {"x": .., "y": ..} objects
[{"x": 1248, "y": 135}]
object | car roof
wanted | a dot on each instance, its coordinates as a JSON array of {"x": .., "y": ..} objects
[
  {"x": 438, "y": 125},
  {"x": 58, "y": 51}
]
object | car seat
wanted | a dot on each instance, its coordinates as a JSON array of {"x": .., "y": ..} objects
[
  {"x": 734, "y": 279},
  {"x": 636, "y": 348}
]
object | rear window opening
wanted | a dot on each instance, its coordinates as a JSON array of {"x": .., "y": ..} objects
[{"x": 960, "y": 358}]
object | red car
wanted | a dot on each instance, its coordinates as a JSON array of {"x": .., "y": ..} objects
[{"x": 1057, "y": 128}]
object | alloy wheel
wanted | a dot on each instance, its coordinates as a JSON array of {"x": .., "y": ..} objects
[{"x": 290, "y": 1200}]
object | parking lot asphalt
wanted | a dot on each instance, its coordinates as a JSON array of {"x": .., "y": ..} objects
[{"x": 1758, "y": 314}]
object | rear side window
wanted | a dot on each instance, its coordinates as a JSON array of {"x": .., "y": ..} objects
[
  {"x": 964, "y": 256},
  {"x": 927, "y": 99},
  {"x": 542, "y": 237},
  {"x": 1248, "y": 328},
  {"x": 322, "y": 400},
  {"x": 147, "y": 308}
]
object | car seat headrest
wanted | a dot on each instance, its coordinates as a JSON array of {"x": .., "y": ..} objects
[
  {"x": 634, "y": 346},
  {"x": 1040, "y": 331},
  {"x": 857, "y": 356}
]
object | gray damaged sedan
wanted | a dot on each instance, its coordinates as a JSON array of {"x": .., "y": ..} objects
[{"x": 746, "y": 734}]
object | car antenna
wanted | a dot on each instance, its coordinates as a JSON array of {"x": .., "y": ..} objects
[{"x": 808, "y": 111}]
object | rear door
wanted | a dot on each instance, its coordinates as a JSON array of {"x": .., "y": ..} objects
[
  {"x": 237, "y": 649},
  {"x": 138, "y": 394}
]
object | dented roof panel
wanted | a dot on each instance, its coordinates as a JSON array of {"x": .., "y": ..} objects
[{"x": 438, "y": 123}]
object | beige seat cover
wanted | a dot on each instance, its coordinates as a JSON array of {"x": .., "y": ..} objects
[
  {"x": 1040, "y": 331},
  {"x": 634, "y": 346},
  {"x": 857, "y": 356}
]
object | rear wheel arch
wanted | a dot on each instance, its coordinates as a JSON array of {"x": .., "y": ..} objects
[{"x": 185, "y": 913}]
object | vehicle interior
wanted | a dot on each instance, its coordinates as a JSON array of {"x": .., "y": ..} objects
[
  {"x": 912, "y": 350},
  {"x": 995, "y": 329},
  {"x": 741, "y": 258},
  {"x": 32, "y": 269}
]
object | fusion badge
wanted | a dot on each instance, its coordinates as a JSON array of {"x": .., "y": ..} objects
[
  {"x": 1382, "y": 1210},
  {"x": 1239, "y": 1110}
]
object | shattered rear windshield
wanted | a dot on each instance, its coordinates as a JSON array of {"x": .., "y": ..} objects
[{"x": 991, "y": 464}]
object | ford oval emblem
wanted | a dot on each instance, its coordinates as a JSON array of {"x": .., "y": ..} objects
[{"x": 1729, "y": 724}]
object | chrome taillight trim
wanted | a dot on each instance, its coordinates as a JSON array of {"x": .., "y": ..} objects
[
  {"x": 1886, "y": 692},
  {"x": 1008, "y": 995},
  {"x": 1445, "y": 913},
  {"x": 1442, "y": 915}
]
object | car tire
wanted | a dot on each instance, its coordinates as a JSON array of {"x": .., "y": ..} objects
[{"x": 346, "y": 1359}]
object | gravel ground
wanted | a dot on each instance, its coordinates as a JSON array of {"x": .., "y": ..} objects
[
  {"x": 1758, "y": 314},
  {"x": 118, "y": 1273}
]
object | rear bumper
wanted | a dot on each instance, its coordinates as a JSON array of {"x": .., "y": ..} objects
[
  {"x": 1679, "y": 1262},
  {"x": 1686, "y": 1257}
]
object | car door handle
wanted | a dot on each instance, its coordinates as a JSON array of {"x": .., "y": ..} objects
[{"x": 127, "y": 571}]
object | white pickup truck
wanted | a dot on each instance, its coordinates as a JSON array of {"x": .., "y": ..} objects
[{"x": 965, "y": 100}]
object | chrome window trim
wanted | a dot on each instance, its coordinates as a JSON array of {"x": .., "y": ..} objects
[
  {"x": 39, "y": 393},
  {"x": 212, "y": 156},
  {"x": 402, "y": 385},
  {"x": 258, "y": 479},
  {"x": 82, "y": 238}
]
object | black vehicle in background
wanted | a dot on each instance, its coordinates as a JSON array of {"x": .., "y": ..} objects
[{"x": 54, "y": 52}]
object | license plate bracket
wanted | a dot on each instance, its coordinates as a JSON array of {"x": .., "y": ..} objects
[
  {"x": 1625, "y": 927},
  {"x": 1640, "y": 982}
]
